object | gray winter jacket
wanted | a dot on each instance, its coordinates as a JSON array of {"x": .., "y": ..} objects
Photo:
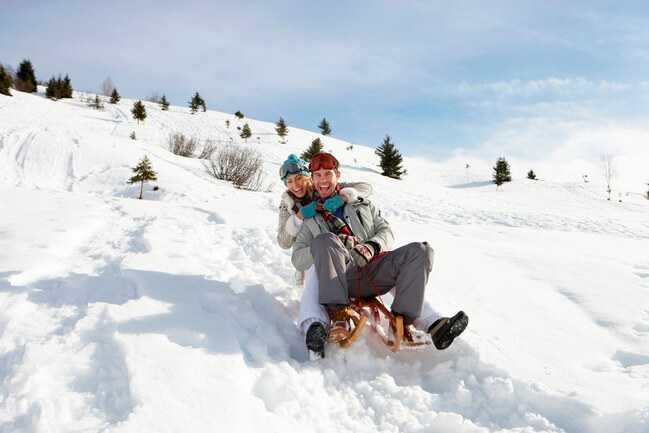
[
  {"x": 363, "y": 219},
  {"x": 287, "y": 230}
]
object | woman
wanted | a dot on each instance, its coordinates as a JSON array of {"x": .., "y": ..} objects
[{"x": 296, "y": 205}]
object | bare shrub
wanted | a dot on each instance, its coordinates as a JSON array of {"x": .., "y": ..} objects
[
  {"x": 94, "y": 102},
  {"x": 208, "y": 150},
  {"x": 181, "y": 145},
  {"x": 154, "y": 97},
  {"x": 22, "y": 85},
  {"x": 239, "y": 165},
  {"x": 107, "y": 87}
]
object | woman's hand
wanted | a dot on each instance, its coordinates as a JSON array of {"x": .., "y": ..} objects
[{"x": 307, "y": 211}]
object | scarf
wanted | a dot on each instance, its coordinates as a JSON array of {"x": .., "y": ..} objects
[{"x": 335, "y": 224}]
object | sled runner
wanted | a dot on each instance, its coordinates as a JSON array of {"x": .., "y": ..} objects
[{"x": 388, "y": 328}]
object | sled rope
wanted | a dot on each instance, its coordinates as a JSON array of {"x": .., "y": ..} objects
[{"x": 378, "y": 295}]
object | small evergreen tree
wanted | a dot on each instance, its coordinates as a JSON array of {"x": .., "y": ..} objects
[
  {"x": 281, "y": 129},
  {"x": 139, "y": 111},
  {"x": 531, "y": 175},
  {"x": 501, "y": 172},
  {"x": 52, "y": 89},
  {"x": 647, "y": 194},
  {"x": 164, "y": 104},
  {"x": 66, "y": 87},
  {"x": 239, "y": 115},
  {"x": 25, "y": 77},
  {"x": 96, "y": 103},
  {"x": 246, "y": 133},
  {"x": 314, "y": 149},
  {"x": 197, "y": 102},
  {"x": 114, "y": 97},
  {"x": 58, "y": 88},
  {"x": 324, "y": 127},
  {"x": 143, "y": 173},
  {"x": 391, "y": 159},
  {"x": 5, "y": 82}
]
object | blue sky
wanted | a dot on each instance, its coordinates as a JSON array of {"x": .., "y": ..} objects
[{"x": 489, "y": 78}]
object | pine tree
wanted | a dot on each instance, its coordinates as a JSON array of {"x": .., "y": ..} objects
[
  {"x": 501, "y": 172},
  {"x": 197, "y": 102},
  {"x": 531, "y": 175},
  {"x": 58, "y": 88},
  {"x": 391, "y": 159},
  {"x": 164, "y": 103},
  {"x": 647, "y": 195},
  {"x": 246, "y": 133},
  {"x": 143, "y": 173},
  {"x": 66, "y": 87},
  {"x": 96, "y": 103},
  {"x": 314, "y": 149},
  {"x": 5, "y": 82},
  {"x": 324, "y": 127},
  {"x": 282, "y": 129},
  {"x": 239, "y": 115},
  {"x": 139, "y": 111},
  {"x": 25, "y": 77},
  {"x": 52, "y": 90},
  {"x": 114, "y": 96}
]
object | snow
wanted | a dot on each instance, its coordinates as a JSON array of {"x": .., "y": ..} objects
[{"x": 176, "y": 313}]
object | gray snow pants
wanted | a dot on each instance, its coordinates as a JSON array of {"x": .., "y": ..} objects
[{"x": 406, "y": 269}]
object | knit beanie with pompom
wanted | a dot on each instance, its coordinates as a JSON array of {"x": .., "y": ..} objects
[{"x": 293, "y": 165}]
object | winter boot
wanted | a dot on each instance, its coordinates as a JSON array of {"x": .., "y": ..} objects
[
  {"x": 315, "y": 341},
  {"x": 445, "y": 330},
  {"x": 339, "y": 330},
  {"x": 413, "y": 338}
]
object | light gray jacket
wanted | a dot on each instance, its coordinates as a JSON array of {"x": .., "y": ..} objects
[
  {"x": 362, "y": 217},
  {"x": 288, "y": 227}
]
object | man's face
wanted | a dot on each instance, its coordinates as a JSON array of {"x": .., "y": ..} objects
[{"x": 325, "y": 181}]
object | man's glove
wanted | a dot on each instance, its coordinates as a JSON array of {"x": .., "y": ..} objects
[
  {"x": 348, "y": 241},
  {"x": 309, "y": 210},
  {"x": 332, "y": 204},
  {"x": 362, "y": 254}
]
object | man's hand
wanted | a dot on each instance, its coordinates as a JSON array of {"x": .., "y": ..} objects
[
  {"x": 348, "y": 241},
  {"x": 332, "y": 204},
  {"x": 362, "y": 254}
]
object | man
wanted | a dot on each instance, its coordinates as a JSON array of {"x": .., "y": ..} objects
[{"x": 342, "y": 239}]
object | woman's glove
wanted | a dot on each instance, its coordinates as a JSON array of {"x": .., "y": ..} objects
[{"x": 309, "y": 210}]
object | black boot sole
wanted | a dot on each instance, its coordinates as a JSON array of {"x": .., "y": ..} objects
[
  {"x": 450, "y": 330},
  {"x": 316, "y": 336}
]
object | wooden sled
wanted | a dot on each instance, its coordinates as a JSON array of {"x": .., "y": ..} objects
[{"x": 380, "y": 321}]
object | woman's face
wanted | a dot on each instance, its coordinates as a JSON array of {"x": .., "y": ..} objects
[{"x": 297, "y": 184}]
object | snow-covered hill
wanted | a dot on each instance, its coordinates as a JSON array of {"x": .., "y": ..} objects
[{"x": 176, "y": 313}]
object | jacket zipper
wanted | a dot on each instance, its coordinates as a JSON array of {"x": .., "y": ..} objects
[{"x": 360, "y": 218}]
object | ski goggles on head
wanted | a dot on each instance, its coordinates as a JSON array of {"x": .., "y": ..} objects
[
  {"x": 292, "y": 168},
  {"x": 323, "y": 160}
]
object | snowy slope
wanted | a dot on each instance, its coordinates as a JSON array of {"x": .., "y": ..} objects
[{"x": 176, "y": 313}]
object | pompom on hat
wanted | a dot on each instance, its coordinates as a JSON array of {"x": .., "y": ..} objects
[{"x": 293, "y": 165}]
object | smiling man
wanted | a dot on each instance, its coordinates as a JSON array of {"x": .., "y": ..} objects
[{"x": 344, "y": 237}]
